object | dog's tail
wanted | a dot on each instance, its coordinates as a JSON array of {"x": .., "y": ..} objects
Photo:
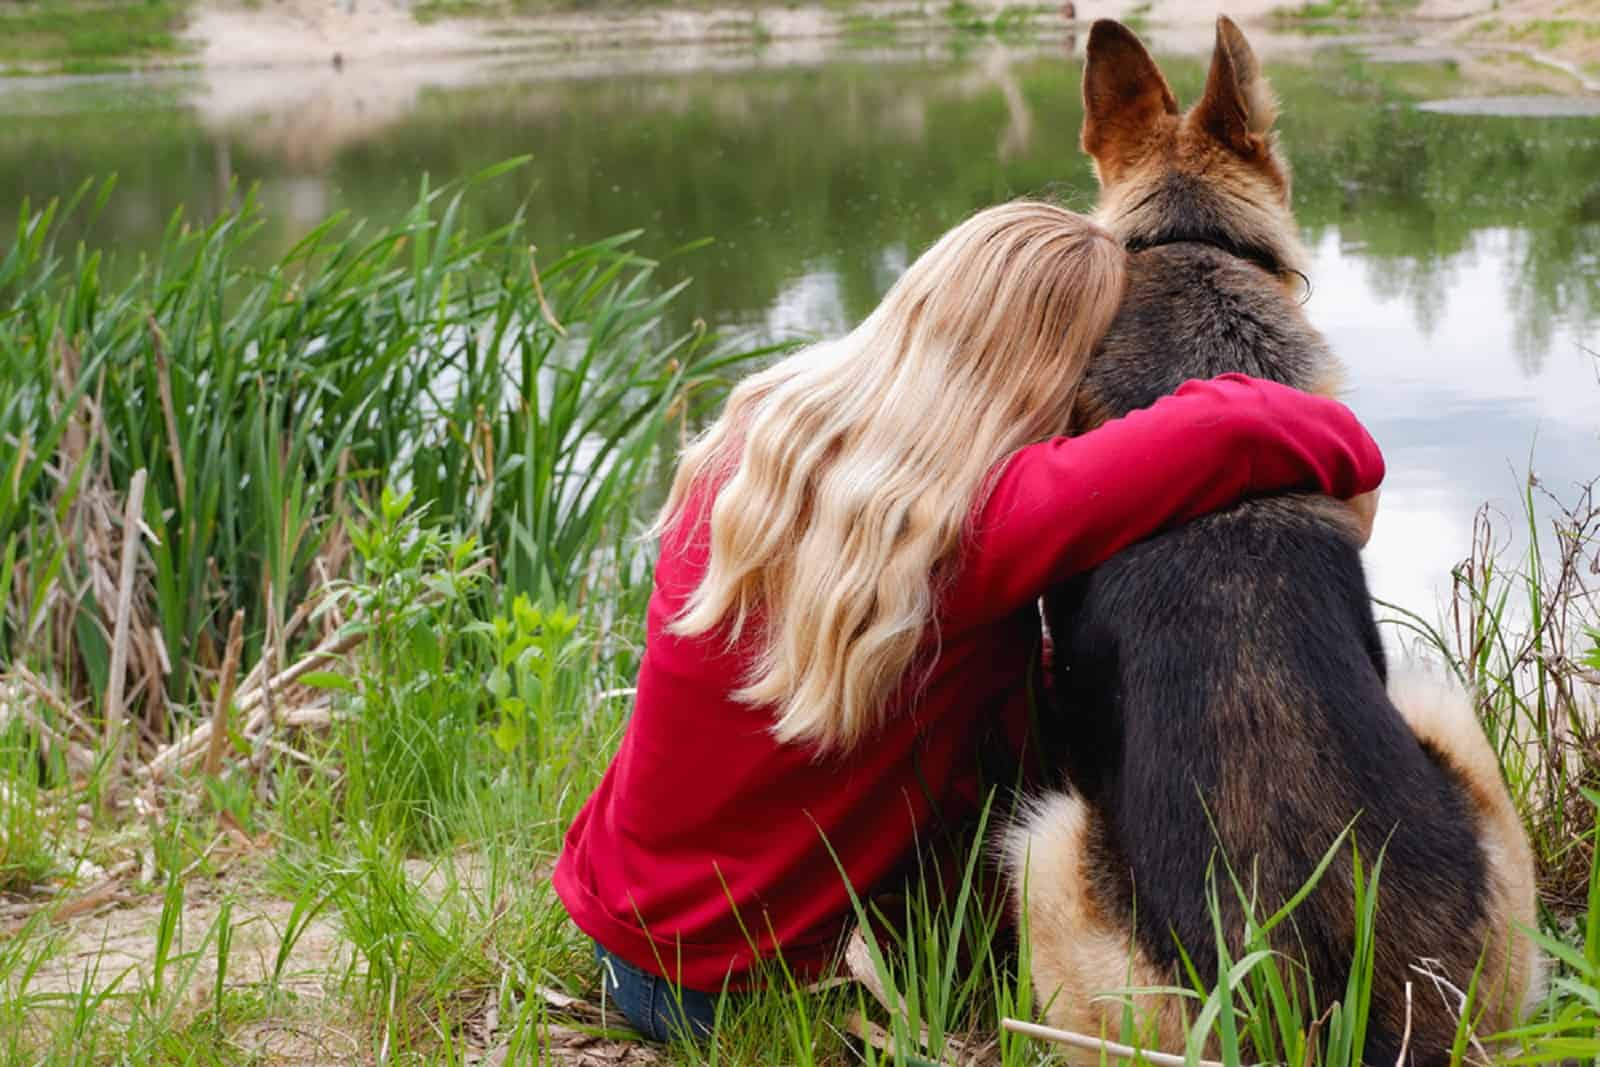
[{"x": 1442, "y": 716}]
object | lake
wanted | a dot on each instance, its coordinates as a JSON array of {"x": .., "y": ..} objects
[{"x": 1457, "y": 252}]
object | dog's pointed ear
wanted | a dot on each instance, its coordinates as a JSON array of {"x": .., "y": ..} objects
[
  {"x": 1238, "y": 105},
  {"x": 1124, "y": 94}
]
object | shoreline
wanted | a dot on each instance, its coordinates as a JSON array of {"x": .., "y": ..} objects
[
  {"x": 306, "y": 32},
  {"x": 303, "y": 77},
  {"x": 230, "y": 37}
]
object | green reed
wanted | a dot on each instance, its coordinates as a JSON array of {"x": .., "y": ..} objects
[{"x": 525, "y": 407}]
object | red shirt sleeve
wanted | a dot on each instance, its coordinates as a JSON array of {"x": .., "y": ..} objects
[{"x": 1068, "y": 504}]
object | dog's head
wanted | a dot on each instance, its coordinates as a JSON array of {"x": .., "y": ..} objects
[{"x": 1212, "y": 174}]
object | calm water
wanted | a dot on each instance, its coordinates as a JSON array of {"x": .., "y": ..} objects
[{"x": 1457, "y": 257}]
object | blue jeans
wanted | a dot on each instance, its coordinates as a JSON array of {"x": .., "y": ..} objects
[{"x": 654, "y": 1006}]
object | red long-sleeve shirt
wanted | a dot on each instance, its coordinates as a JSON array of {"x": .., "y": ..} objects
[{"x": 703, "y": 813}]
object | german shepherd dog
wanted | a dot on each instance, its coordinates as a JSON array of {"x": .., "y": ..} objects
[{"x": 1222, "y": 697}]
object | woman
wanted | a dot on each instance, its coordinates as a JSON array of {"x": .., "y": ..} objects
[{"x": 844, "y": 608}]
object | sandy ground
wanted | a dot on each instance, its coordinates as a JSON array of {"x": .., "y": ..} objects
[{"x": 110, "y": 947}]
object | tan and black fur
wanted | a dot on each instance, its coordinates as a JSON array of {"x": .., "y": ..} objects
[{"x": 1221, "y": 688}]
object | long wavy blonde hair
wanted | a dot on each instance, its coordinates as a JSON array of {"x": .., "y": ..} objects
[{"x": 848, "y": 471}]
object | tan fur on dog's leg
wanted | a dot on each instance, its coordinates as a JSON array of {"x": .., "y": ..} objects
[
  {"x": 1079, "y": 945},
  {"x": 1442, "y": 717}
]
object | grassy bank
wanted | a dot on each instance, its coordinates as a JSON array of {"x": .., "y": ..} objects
[
  {"x": 87, "y": 37},
  {"x": 321, "y": 603}
]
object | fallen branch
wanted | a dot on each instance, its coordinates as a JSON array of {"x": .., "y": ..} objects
[
  {"x": 1110, "y": 1049},
  {"x": 1405, "y": 1039},
  {"x": 101, "y": 893},
  {"x": 186, "y": 749},
  {"x": 259, "y": 697}
]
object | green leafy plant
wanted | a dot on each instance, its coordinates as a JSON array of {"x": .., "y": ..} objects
[
  {"x": 408, "y": 740},
  {"x": 533, "y": 649}
]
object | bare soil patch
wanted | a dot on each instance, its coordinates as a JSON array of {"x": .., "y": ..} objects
[{"x": 1562, "y": 34}]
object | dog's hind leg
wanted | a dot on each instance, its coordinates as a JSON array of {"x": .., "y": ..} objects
[
  {"x": 1442, "y": 717},
  {"x": 1080, "y": 943}
]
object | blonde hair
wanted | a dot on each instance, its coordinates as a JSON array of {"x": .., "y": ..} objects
[{"x": 850, "y": 469}]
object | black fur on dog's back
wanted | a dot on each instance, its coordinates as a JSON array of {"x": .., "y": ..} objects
[{"x": 1221, "y": 688}]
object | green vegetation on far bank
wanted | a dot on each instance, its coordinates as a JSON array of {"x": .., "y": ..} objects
[
  {"x": 1552, "y": 35},
  {"x": 750, "y": 21},
  {"x": 1344, "y": 10},
  {"x": 87, "y": 36}
]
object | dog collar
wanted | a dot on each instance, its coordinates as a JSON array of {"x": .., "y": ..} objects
[{"x": 1261, "y": 257}]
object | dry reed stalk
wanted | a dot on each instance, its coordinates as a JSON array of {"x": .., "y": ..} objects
[
  {"x": 79, "y": 759},
  {"x": 305, "y": 716},
  {"x": 56, "y": 702},
  {"x": 864, "y": 1029},
  {"x": 114, "y": 710},
  {"x": 1532, "y": 687},
  {"x": 538, "y": 291},
  {"x": 858, "y": 961},
  {"x": 168, "y": 410},
  {"x": 252, "y": 681},
  {"x": 219, "y": 714}
]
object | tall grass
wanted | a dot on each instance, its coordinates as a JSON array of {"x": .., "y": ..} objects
[
  {"x": 519, "y": 407},
  {"x": 426, "y": 448},
  {"x": 1519, "y": 630}
]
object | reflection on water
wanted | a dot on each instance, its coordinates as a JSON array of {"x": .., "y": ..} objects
[
  {"x": 1457, "y": 261},
  {"x": 1460, "y": 419}
]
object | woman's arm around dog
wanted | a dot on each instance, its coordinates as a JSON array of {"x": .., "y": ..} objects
[{"x": 1068, "y": 504}]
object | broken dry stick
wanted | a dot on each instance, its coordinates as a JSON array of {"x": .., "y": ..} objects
[
  {"x": 119, "y": 638},
  {"x": 249, "y": 701},
  {"x": 1111, "y": 1049}
]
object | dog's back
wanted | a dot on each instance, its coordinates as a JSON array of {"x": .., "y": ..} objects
[
  {"x": 1223, "y": 690},
  {"x": 1222, "y": 686}
]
